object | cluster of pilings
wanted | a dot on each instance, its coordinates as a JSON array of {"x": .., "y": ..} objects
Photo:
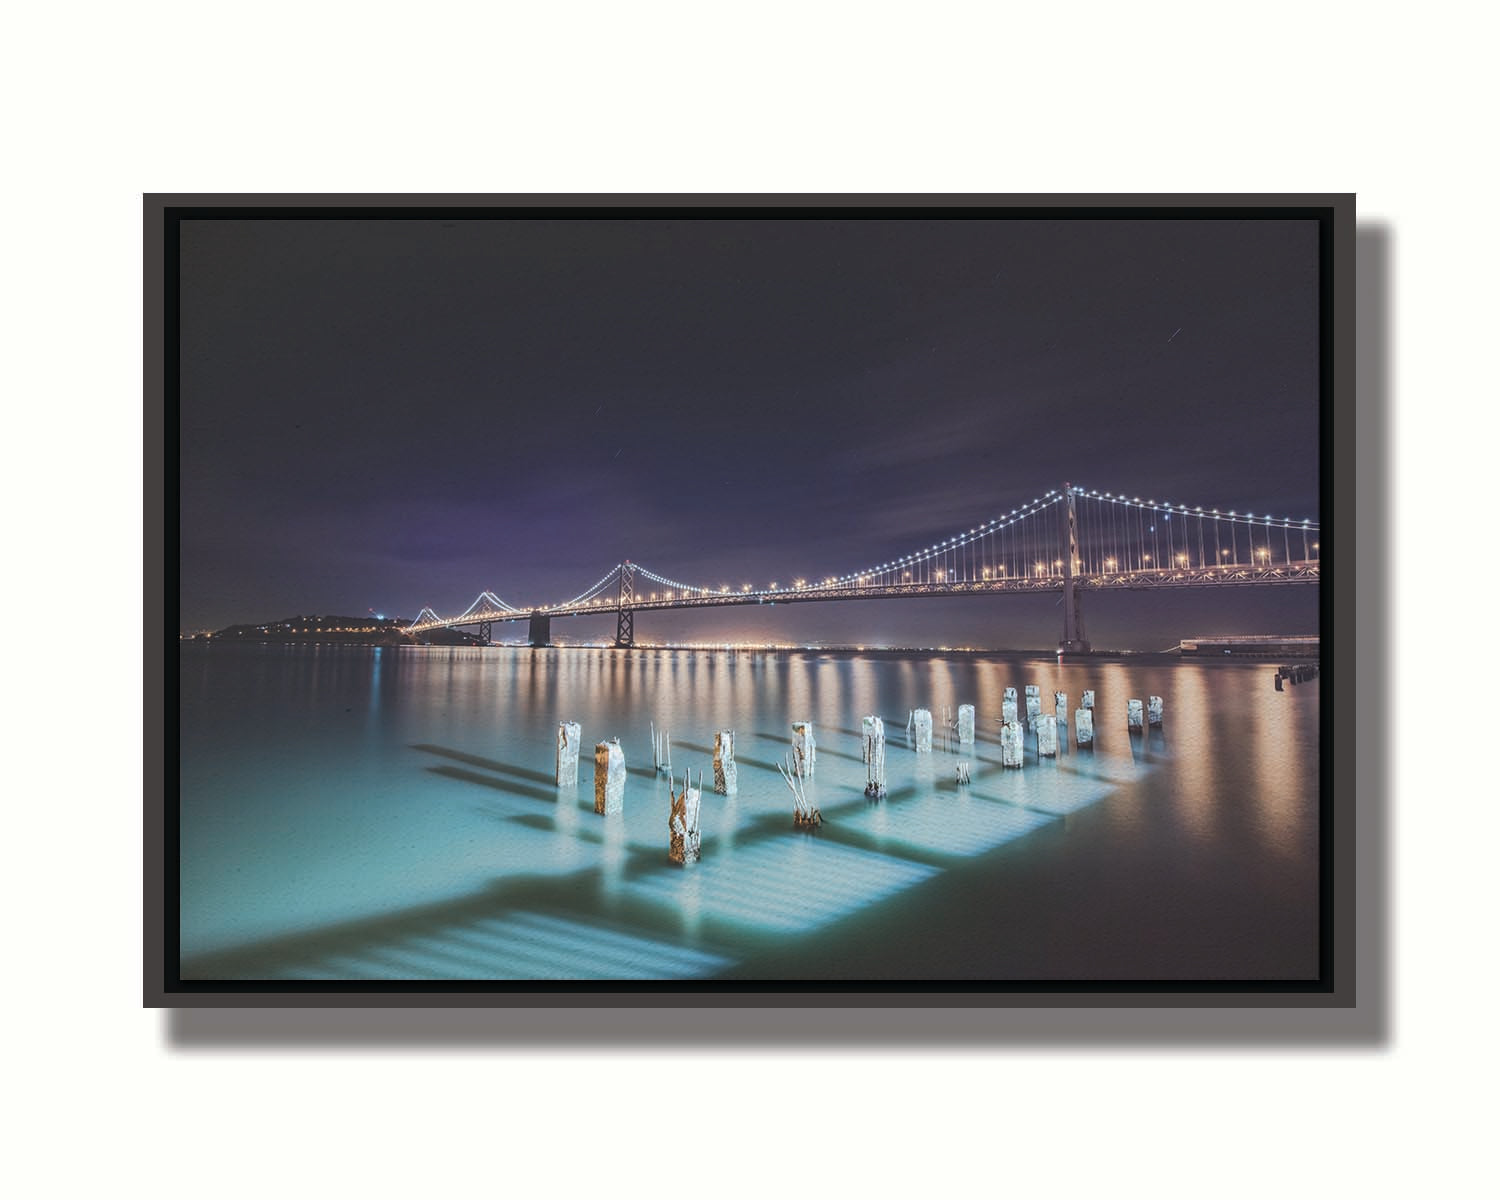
[
  {"x": 1139, "y": 716},
  {"x": 1298, "y": 674},
  {"x": 683, "y": 821}
]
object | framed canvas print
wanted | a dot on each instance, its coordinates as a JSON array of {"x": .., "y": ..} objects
[{"x": 862, "y": 600}]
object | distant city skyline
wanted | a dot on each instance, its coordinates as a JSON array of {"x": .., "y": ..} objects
[{"x": 389, "y": 415}]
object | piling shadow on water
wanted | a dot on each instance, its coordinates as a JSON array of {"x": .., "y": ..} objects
[
  {"x": 489, "y": 764},
  {"x": 500, "y": 785},
  {"x": 822, "y": 747}
]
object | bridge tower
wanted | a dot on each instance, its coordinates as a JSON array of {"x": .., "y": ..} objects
[
  {"x": 541, "y": 630},
  {"x": 625, "y": 607},
  {"x": 1074, "y": 641},
  {"x": 485, "y": 629}
]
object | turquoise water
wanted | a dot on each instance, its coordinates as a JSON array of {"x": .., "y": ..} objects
[{"x": 360, "y": 813}]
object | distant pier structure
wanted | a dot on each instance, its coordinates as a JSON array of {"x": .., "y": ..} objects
[{"x": 1251, "y": 645}]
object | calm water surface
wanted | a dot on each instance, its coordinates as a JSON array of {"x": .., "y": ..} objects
[{"x": 357, "y": 813}]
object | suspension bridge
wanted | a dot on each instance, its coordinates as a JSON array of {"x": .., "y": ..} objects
[{"x": 1072, "y": 540}]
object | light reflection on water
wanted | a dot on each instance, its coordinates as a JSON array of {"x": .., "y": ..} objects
[{"x": 363, "y": 813}]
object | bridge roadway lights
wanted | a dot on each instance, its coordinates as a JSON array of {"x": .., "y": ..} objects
[{"x": 541, "y": 630}]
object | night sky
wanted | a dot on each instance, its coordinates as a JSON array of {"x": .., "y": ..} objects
[{"x": 382, "y": 415}]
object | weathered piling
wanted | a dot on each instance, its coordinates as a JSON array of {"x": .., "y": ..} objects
[
  {"x": 1279, "y": 688},
  {"x": 804, "y": 748},
  {"x": 661, "y": 749},
  {"x": 1060, "y": 707},
  {"x": 1010, "y": 694},
  {"x": 804, "y": 815},
  {"x": 569, "y": 739},
  {"x": 1088, "y": 699},
  {"x": 609, "y": 777},
  {"x": 682, "y": 823},
  {"x": 874, "y": 731},
  {"x": 1007, "y": 712},
  {"x": 726, "y": 774},
  {"x": 1046, "y": 736},
  {"x": 965, "y": 724},
  {"x": 1134, "y": 715},
  {"x": 1033, "y": 703},
  {"x": 921, "y": 726},
  {"x": 963, "y": 772},
  {"x": 1083, "y": 726},
  {"x": 1153, "y": 710},
  {"x": 1012, "y": 745}
]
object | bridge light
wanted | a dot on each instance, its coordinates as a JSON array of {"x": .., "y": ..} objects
[
  {"x": 1145, "y": 558},
  {"x": 1110, "y": 563}
]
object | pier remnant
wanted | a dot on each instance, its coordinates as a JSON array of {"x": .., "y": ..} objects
[
  {"x": 1010, "y": 694},
  {"x": 661, "y": 748},
  {"x": 1060, "y": 707},
  {"x": 804, "y": 748},
  {"x": 1153, "y": 710},
  {"x": 1046, "y": 736},
  {"x": 874, "y": 731},
  {"x": 1012, "y": 745},
  {"x": 1033, "y": 703},
  {"x": 921, "y": 726},
  {"x": 1134, "y": 715},
  {"x": 1083, "y": 726},
  {"x": 1008, "y": 709},
  {"x": 682, "y": 824},
  {"x": 1088, "y": 699},
  {"x": 963, "y": 772},
  {"x": 569, "y": 740},
  {"x": 965, "y": 724},
  {"x": 804, "y": 815},
  {"x": 726, "y": 774},
  {"x": 609, "y": 777}
]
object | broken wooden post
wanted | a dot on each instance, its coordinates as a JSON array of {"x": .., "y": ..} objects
[
  {"x": 963, "y": 772},
  {"x": 804, "y": 815},
  {"x": 1060, "y": 707},
  {"x": 1088, "y": 699},
  {"x": 1010, "y": 694},
  {"x": 1008, "y": 709},
  {"x": 726, "y": 774},
  {"x": 1012, "y": 745},
  {"x": 682, "y": 823},
  {"x": 1033, "y": 703},
  {"x": 609, "y": 777},
  {"x": 1083, "y": 725},
  {"x": 874, "y": 731},
  {"x": 1134, "y": 715},
  {"x": 804, "y": 748},
  {"x": 661, "y": 748},
  {"x": 1153, "y": 710},
  {"x": 921, "y": 721},
  {"x": 1046, "y": 736},
  {"x": 569, "y": 739},
  {"x": 965, "y": 724}
]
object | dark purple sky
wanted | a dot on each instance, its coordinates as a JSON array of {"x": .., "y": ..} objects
[{"x": 381, "y": 415}]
